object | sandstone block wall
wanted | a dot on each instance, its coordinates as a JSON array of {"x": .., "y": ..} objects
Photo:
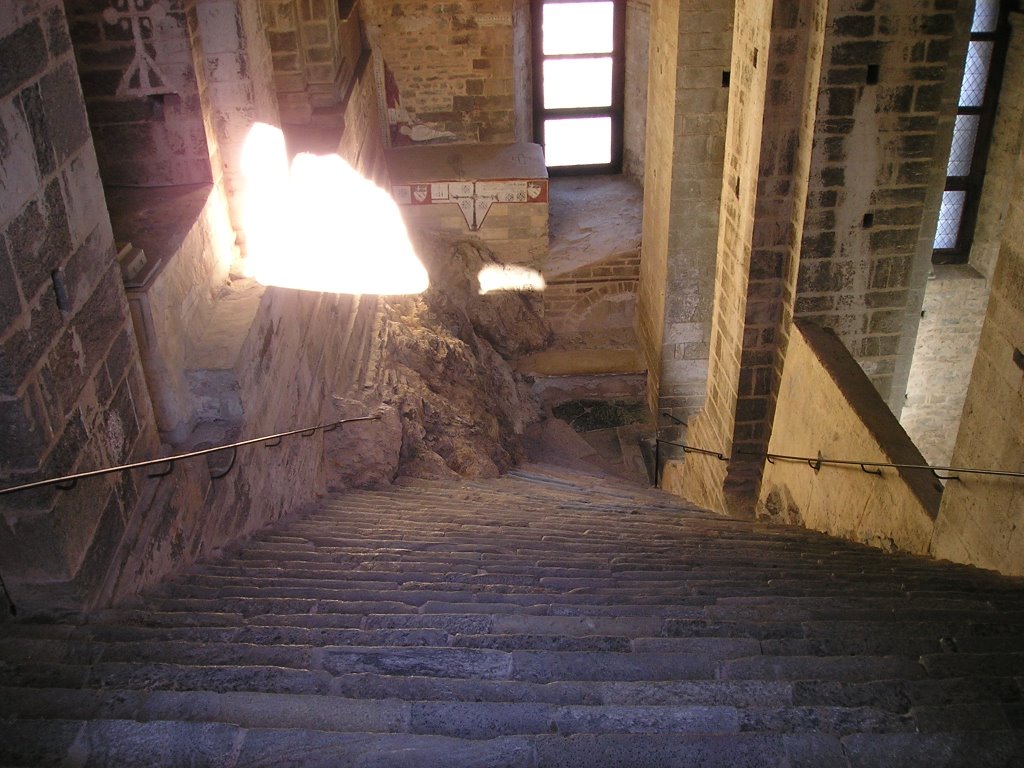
[
  {"x": 497, "y": 193},
  {"x": 982, "y": 519},
  {"x": 1007, "y": 140},
  {"x": 235, "y": 74},
  {"x": 827, "y": 407},
  {"x": 947, "y": 342},
  {"x": 72, "y": 394},
  {"x": 638, "y": 33},
  {"x": 453, "y": 63},
  {"x": 794, "y": 62},
  {"x": 315, "y": 54}
]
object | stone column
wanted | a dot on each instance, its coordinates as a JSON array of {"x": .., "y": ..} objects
[{"x": 685, "y": 147}]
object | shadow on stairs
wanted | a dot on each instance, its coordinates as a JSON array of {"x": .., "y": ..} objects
[{"x": 551, "y": 617}]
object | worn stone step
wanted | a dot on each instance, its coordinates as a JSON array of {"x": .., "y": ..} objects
[{"x": 128, "y": 743}]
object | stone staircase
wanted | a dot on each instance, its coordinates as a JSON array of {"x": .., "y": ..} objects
[{"x": 547, "y": 618}]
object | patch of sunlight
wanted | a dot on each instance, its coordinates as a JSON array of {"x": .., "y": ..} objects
[
  {"x": 321, "y": 226},
  {"x": 509, "y": 277}
]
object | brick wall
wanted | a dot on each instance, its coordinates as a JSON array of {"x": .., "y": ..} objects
[
  {"x": 72, "y": 395},
  {"x": 876, "y": 176},
  {"x": 453, "y": 63}
]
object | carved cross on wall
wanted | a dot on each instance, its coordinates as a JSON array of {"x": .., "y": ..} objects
[{"x": 143, "y": 77}]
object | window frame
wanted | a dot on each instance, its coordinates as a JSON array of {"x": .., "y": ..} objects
[
  {"x": 615, "y": 111},
  {"x": 973, "y": 183}
]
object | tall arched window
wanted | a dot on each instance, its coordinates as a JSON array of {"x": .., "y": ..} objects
[
  {"x": 972, "y": 132},
  {"x": 579, "y": 71}
]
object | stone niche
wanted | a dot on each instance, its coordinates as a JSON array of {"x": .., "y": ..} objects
[{"x": 497, "y": 192}]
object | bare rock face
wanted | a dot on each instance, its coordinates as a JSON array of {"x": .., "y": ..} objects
[
  {"x": 455, "y": 407},
  {"x": 510, "y": 320}
]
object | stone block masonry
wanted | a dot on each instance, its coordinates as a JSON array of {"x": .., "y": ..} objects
[
  {"x": 876, "y": 176},
  {"x": 452, "y": 62},
  {"x": 72, "y": 395},
  {"x": 139, "y": 78},
  {"x": 794, "y": 63},
  {"x": 684, "y": 156}
]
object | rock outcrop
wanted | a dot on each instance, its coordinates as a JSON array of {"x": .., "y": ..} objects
[{"x": 454, "y": 406}]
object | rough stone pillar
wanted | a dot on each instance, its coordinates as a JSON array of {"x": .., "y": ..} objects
[{"x": 688, "y": 97}]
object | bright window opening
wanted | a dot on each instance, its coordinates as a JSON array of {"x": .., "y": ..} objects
[
  {"x": 578, "y": 79},
  {"x": 972, "y": 132}
]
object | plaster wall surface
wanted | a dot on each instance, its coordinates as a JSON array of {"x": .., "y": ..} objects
[
  {"x": 982, "y": 519},
  {"x": 828, "y": 408}
]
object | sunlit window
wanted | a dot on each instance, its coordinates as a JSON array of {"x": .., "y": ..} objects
[
  {"x": 972, "y": 131},
  {"x": 578, "y": 84}
]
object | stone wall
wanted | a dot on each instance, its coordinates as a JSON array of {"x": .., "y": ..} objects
[
  {"x": 638, "y": 33},
  {"x": 947, "y": 342},
  {"x": 72, "y": 394},
  {"x": 315, "y": 55},
  {"x": 235, "y": 74},
  {"x": 495, "y": 192},
  {"x": 689, "y": 65},
  {"x": 887, "y": 97},
  {"x": 828, "y": 408},
  {"x": 452, "y": 63},
  {"x": 1007, "y": 140},
  {"x": 982, "y": 518},
  {"x": 794, "y": 63},
  {"x": 140, "y": 87}
]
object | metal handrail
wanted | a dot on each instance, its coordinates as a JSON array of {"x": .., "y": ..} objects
[
  {"x": 67, "y": 482},
  {"x": 817, "y": 462}
]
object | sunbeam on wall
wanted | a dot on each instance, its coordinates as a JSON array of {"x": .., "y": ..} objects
[
  {"x": 508, "y": 277},
  {"x": 319, "y": 225}
]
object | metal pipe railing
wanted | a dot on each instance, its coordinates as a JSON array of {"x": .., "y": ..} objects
[
  {"x": 67, "y": 482},
  {"x": 871, "y": 467}
]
